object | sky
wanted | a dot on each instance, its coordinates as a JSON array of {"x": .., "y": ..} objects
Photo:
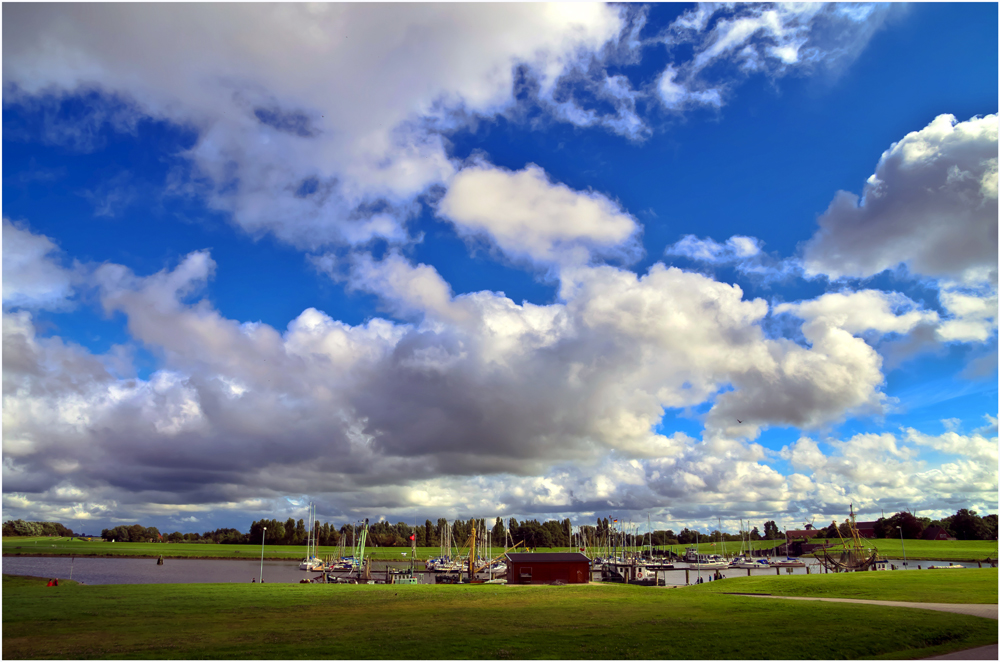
[{"x": 678, "y": 264}]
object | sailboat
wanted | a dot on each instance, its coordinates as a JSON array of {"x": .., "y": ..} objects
[
  {"x": 789, "y": 562},
  {"x": 854, "y": 555},
  {"x": 311, "y": 562}
]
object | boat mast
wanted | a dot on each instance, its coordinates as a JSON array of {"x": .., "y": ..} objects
[{"x": 472, "y": 554}]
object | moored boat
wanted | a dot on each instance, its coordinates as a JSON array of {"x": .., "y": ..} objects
[
  {"x": 749, "y": 564},
  {"x": 788, "y": 563}
]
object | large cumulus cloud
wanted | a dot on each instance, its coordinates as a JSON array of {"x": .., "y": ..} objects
[
  {"x": 931, "y": 205},
  {"x": 554, "y": 406},
  {"x": 318, "y": 123}
]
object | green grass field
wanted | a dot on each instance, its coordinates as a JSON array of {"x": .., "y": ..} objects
[
  {"x": 315, "y": 621},
  {"x": 959, "y": 586},
  {"x": 97, "y": 547},
  {"x": 916, "y": 550},
  {"x": 920, "y": 550}
]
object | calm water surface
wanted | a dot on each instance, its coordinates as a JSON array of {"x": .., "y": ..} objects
[
  {"x": 213, "y": 571},
  {"x": 145, "y": 571}
]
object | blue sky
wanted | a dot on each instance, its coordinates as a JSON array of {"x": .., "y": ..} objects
[{"x": 514, "y": 260}]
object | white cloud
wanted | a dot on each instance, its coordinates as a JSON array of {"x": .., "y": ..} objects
[
  {"x": 707, "y": 250},
  {"x": 532, "y": 219},
  {"x": 743, "y": 253},
  {"x": 474, "y": 384},
  {"x": 886, "y": 471},
  {"x": 318, "y": 123},
  {"x": 32, "y": 278},
  {"x": 678, "y": 96},
  {"x": 930, "y": 205},
  {"x": 975, "y": 447},
  {"x": 973, "y": 312},
  {"x": 774, "y": 40},
  {"x": 857, "y": 312}
]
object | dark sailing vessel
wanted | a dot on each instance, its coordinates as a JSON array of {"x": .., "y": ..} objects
[{"x": 854, "y": 556}]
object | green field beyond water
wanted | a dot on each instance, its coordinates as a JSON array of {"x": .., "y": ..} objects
[
  {"x": 919, "y": 550},
  {"x": 916, "y": 550},
  {"x": 316, "y": 621},
  {"x": 97, "y": 547}
]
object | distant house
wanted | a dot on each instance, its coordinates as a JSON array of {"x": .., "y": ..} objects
[
  {"x": 807, "y": 533},
  {"x": 936, "y": 533},
  {"x": 866, "y": 529},
  {"x": 569, "y": 568}
]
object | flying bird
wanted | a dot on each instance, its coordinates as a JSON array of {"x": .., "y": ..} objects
[{"x": 738, "y": 420}]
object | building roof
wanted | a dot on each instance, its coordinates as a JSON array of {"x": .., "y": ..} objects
[
  {"x": 803, "y": 533},
  {"x": 935, "y": 532},
  {"x": 542, "y": 557}
]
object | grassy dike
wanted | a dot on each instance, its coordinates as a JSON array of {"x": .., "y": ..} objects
[
  {"x": 969, "y": 586},
  {"x": 75, "y": 547},
  {"x": 296, "y": 621},
  {"x": 922, "y": 550},
  {"x": 916, "y": 550}
]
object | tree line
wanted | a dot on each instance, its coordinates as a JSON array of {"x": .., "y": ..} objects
[
  {"x": 964, "y": 525},
  {"x": 19, "y": 527}
]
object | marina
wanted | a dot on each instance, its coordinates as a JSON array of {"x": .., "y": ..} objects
[{"x": 88, "y": 570}]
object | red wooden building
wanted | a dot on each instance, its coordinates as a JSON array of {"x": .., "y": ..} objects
[{"x": 569, "y": 568}]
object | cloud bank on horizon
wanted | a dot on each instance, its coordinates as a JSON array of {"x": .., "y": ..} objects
[{"x": 674, "y": 351}]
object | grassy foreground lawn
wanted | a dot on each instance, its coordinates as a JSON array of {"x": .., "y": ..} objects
[
  {"x": 921, "y": 550},
  {"x": 315, "y": 621},
  {"x": 957, "y": 586}
]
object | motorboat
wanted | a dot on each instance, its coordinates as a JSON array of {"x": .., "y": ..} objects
[
  {"x": 749, "y": 564},
  {"x": 789, "y": 562},
  {"x": 311, "y": 564}
]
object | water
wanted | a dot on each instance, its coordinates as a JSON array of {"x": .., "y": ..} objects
[
  {"x": 145, "y": 571},
  {"x": 88, "y": 570}
]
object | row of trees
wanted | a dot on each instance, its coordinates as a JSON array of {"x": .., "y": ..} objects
[
  {"x": 19, "y": 527},
  {"x": 132, "y": 533},
  {"x": 964, "y": 524}
]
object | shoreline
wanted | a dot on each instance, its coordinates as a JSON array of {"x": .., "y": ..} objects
[{"x": 234, "y": 557}]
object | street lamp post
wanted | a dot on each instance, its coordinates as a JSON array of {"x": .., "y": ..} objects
[
  {"x": 903, "y": 544},
  {"x": 262, "y": 536}
]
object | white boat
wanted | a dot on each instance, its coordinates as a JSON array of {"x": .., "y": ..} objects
[
  {"x": 789, "y": 562},
  {"x": 703, "y": 561},
  {"x": 748, "y": 563},
  {"x": 312, "y": 564},
  {"x": 950, "y": 566}
]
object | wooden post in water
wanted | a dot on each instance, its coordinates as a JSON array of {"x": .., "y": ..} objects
[
  {"x": 748, "y": 572},
  {"x": 687, "y": 575},
  {"x": 777, "y": 571}
]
